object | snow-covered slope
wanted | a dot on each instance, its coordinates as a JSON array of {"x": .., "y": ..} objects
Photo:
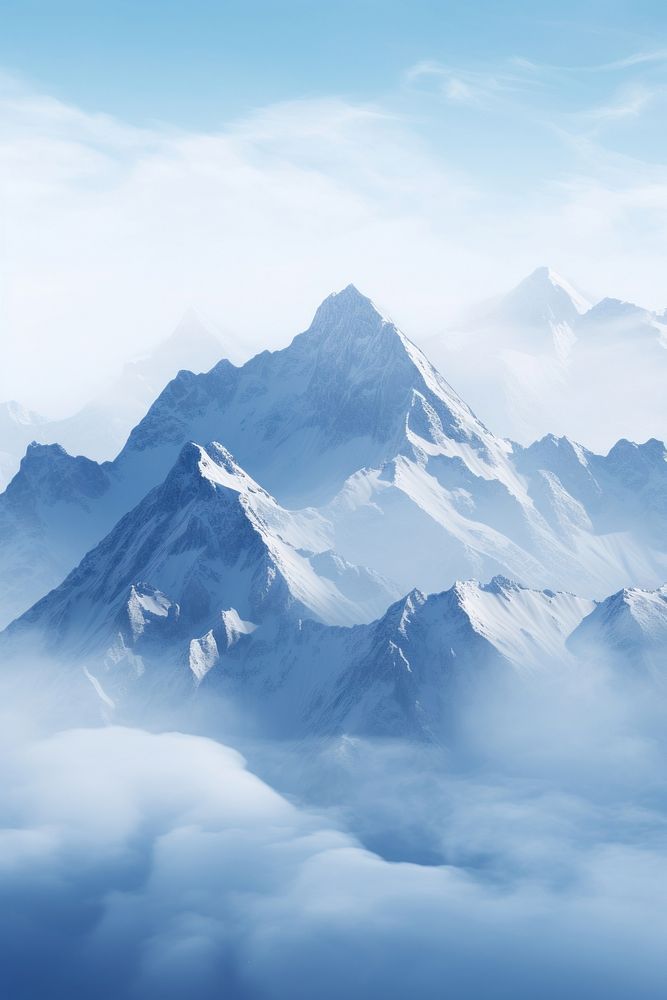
[
  {"x": 579, "y": 521},
  {"x": 301, "y": 420},
  {"x": 613, "y": 320},
  {"x": 602, "y": 501},
  {"x": 399, "y": 675},
  {"x": 206, "y": 540},
  {"x": 627, "y": 630},
  {"x": 543, "y": 311}
]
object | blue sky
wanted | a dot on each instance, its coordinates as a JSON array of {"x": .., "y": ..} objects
[
  {"x": 161, "y": 155},
  {"x": 201, "y": 62}
]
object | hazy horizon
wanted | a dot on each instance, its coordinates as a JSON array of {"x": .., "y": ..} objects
[{"x": 441, "y": 170}]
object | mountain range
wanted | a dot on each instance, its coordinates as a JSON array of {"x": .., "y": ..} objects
[{"x": 259, "y": 521}]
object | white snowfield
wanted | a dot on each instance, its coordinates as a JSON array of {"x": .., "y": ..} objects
[
  {"x": 629, "y": 627},
  {"x": 254, "y": 510}
]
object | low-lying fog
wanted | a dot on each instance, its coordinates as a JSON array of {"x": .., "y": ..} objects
[{"x": 526, "y": 858}]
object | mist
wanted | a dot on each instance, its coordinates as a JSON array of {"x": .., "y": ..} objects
[
  {"x": 524, "y": 855},
  {"x": 111, "y": 230},
  {"x": 604, "y": 392}
]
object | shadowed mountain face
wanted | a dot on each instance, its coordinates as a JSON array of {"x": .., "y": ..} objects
[
  {"x": 401, "y": 675},
  {"x": 242, "y": 630},
  {"x": 49, "y": 516},
  {"x": 208, "y": 538}
]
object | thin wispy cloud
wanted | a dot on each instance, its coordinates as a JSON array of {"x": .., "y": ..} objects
[
  {"x": 527, "y": 80},
  {"x": 461, "y": 85},
  {"x": 111, "y": 230},
  {"x": 628, "y": 62},
  {"x": 630, "y": 103},
  {"x": 545, "y": 96}
]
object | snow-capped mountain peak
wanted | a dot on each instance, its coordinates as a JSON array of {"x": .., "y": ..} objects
[
  {"x": 610, "y": 309},
  {"x": 529, "y": 627},
  {"x": 543, "y": 297},
  {"x": 556, "y": 451},
  {"x": 207, "y": 539},
  {"x": 400, "y": 673},
  {"x": 48, "y": 475},
  {"x": 350, "y": 392},
  {"x": 616, "y": 325},
  {"x": 343, "y": 306},
  {"x": 546, "y": 279},
  {"x": 215, "y": 465},
  {"x": 347, "y": 326},
  {"x": 629, "y": 628}
]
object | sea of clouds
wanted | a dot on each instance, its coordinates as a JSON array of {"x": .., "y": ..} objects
[{"x": 524, "y": 859}]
